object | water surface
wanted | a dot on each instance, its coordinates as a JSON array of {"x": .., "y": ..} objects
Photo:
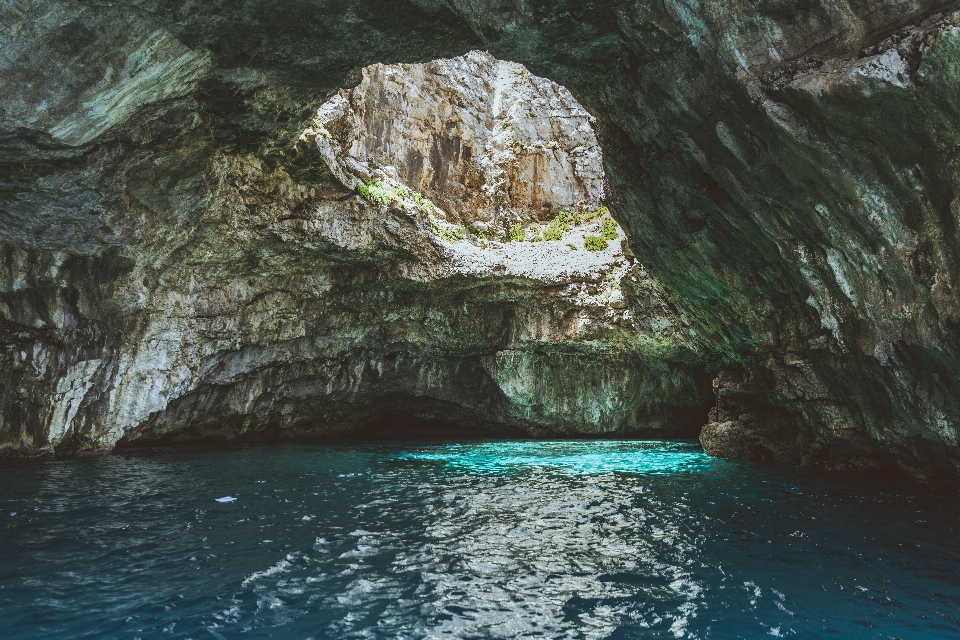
[{"x": 570, "y": 539}]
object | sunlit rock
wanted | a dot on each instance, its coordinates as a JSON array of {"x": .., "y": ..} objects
[{"x": 483, "y": 139}]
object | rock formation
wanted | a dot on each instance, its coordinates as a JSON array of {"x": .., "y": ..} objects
[
  {"x": 489, "y": 142},
  {"x": 247, "y": 304},
  {"x": 806, "y": 217},
  {"x": 180, "y": 263}
]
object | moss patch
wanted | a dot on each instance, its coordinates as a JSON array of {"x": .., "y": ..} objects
[{"x": 594, "y": 243}]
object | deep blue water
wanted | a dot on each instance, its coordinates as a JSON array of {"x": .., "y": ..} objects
[{"x": 573, "y": 539}]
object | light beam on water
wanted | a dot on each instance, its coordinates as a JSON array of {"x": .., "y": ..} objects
[{"x": 571, "y": 456}]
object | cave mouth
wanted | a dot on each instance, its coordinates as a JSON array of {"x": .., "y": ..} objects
[
  {"x": 401, "y": 426},
  {"x": 405, "y": 426}
]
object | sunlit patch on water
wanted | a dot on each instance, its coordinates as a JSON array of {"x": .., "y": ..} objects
[
  {"x": 560, "y": 540},
  {"x": 577, "y": 456}
]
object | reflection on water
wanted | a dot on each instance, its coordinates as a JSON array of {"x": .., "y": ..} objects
[{"x": 570, "y": 539}]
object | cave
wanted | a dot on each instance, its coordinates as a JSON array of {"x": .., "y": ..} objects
[
  {"x": 177, "y": 260},
  {"x": 479, "y": 318}
]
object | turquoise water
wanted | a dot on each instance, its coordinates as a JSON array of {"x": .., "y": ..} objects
[
  {"x": 569, "y": 457},
  {"x": 571, "y": 539}
]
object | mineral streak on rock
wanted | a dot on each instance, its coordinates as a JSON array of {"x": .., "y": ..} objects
[
  {"x": 825, "y": 146},
  {"x": 482, "y": 138},
  {"x": 119, "y": 61}
]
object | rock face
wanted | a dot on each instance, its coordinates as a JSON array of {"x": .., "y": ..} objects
[
  {"x": 811, "y": 180},
  {"x": 115, "y": 62},
  {"x": 237, "y": 301},
  {"x": 482, "y": 138},
  {"x": 178, "y": 261}
]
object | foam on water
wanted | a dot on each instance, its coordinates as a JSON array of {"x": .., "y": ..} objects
[{"x": 474, "y": 540}]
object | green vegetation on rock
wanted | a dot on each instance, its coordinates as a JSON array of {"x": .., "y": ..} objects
[
  {"x": 563, "y": 222},
  {"x": 560, "y": 223},
  {"x": 593, "y": 215},
  {"x": 423, "y": 203},
  {"x": 608, "y": 230},
  {"x": 376, "y": 191},
  {"x": 447, "y": 231},
  {"x": 594, "y": 243},
  {"x": 477, "y": 231}
]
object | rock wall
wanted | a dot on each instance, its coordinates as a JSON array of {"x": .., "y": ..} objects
[
  {"x": 806, "y": 183},
  {"x": 205, "y": 289},
  {"x": 786, "y": 171},
  {"x": 486, "y": 140}
]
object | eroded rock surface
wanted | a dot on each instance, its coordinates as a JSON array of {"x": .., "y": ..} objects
[
  {"x": 243, "y": 302},
  {"x": 113, "y": 62},
  {"x": 816, "y": 238},
  {"x": 482, "y": 138},
  {"x": 786, "y": 174}
]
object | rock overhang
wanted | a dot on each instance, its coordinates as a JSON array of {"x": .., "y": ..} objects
[
  {"x": 258, "y": 306},
  {"x": 702, "y": 257}
]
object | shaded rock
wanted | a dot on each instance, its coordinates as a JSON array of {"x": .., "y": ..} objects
[
  {"x": 785, "y": 173},
  {"x": 804, "y": 190},
  {"x": 110, "y": 61}
]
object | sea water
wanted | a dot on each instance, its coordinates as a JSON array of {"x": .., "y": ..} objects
[{"x": 528, "y": 539}]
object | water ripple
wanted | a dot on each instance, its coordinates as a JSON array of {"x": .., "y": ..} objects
[{"x": 567, "y": 539}]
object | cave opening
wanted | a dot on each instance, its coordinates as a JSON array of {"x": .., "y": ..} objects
[{"x": 397, "y": 426}]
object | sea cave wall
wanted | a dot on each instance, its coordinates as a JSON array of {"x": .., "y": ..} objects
[{"x": 181, "y": 262}]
